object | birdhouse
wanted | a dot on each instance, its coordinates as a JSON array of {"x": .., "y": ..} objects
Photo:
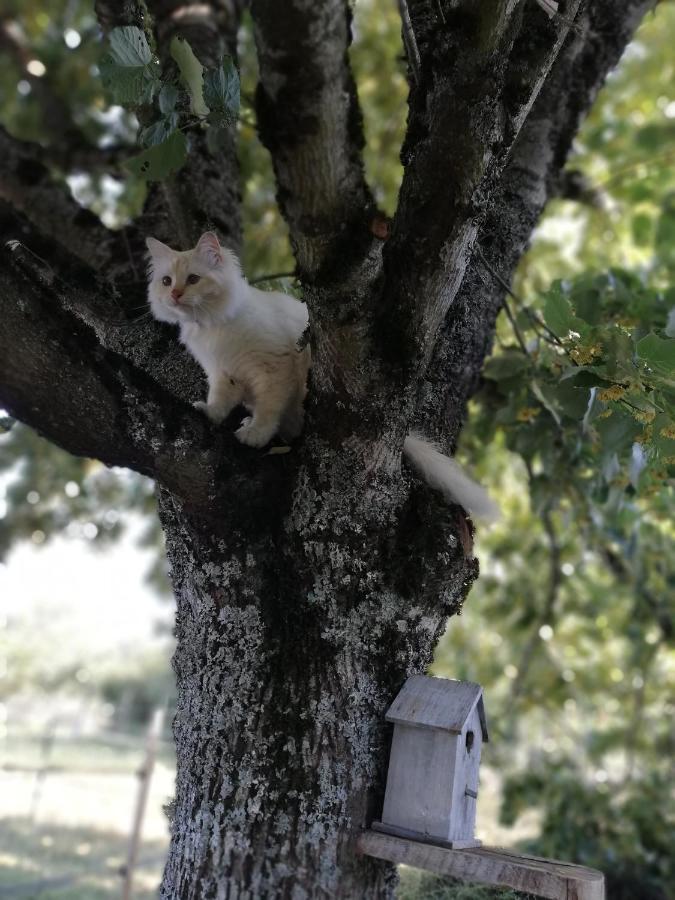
[{"x": 432, "y": 783}]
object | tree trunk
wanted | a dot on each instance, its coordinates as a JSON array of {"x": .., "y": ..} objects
[{"x": 297, "y": 622}]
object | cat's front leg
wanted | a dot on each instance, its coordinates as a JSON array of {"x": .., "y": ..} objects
[
  {"x": 270, "y": 396},
  {"x": 224, "y": 394}
]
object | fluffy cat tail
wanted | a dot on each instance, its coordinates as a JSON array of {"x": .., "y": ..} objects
[{"x": 443, "y": 474}]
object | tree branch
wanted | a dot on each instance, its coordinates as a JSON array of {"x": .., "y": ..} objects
[
  {"x": 481, "y": 71},
  {"x": 27, "y": 185},
  {"x": 56, "y": 377},
  {"x": 309, "y": 119},
  {"x": 119, "y": 317},
  {"x": 528, "y": 181}
]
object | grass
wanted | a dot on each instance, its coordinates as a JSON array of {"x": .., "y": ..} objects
[
  {"x": 64, "y": 832},
  {"x": 417, "y": 885},
  {"x": 45, "y": 862}
]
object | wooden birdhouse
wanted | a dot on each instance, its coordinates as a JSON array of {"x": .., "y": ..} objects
[{"x": 432, "y": 783}]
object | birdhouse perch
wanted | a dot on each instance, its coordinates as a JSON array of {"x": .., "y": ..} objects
[
  {"x": 429, "y": 809},
  {"x": 432, "y": 784}
]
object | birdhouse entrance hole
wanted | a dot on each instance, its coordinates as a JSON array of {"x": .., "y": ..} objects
[{"x": 469, "y": 741}]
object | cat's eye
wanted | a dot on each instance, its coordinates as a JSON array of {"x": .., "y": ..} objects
[
  {"x": 192, "y": 279},
  {"x": 166, "y": 280}
]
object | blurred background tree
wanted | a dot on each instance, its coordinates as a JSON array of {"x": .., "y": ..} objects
[{"x": 570, "y": 627}]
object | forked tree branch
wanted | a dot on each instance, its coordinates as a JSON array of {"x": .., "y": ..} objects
[
  {"x": 117, "y": 313},
  {"x": 309, "y": 119},
  {"x": 482, "y": 67},
  {"x": 530, "y": 178}
]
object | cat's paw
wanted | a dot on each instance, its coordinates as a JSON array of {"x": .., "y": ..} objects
[
  {"x": 211, "y": 412},
  {"x": 252, "y": 434}
]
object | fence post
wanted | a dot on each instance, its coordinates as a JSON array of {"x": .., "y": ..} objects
[
  {"x": 46, "y": 747},
  {"x": 144, "y": 776}
]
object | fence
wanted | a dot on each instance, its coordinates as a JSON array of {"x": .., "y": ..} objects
[{"x": 105, "y": 754}]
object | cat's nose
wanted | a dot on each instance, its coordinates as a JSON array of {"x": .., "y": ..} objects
[{"x": 176, "y": 294}]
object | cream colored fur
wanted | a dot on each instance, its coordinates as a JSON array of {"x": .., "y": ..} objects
[
  {"x": 443, "y": 474},
  {"x": 246, "y": 340}
]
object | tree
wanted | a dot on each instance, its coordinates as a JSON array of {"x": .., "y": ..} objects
[{"x": 308, "y": 584}]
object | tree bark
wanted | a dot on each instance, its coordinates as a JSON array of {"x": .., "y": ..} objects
[
  {"x": 308, "y": 585},
  {"x": 296, "y": 624}
]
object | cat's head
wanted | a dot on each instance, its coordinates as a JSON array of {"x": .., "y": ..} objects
[{"x": 201, "y": 285}]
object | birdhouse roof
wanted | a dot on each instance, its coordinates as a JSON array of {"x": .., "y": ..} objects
[{"x": 441, "y": 703}]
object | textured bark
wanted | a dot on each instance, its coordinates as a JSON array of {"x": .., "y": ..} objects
[
  {"x": 483, "y": 66},
  {"x": 206, "y": 194},
  {"x": 531, "y": 177},
  {"x": 295, "y": 627},
  {"x": 310, "y": 121},
  {"x": 309, "y": 584}
]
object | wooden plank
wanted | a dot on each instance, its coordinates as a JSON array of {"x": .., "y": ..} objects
[
  {"x": 490, "y": 865},
  {"x": 424, "y": 838}
]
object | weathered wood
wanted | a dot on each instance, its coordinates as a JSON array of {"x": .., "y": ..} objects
[
  {"x": 420, "y": 782},
  {"x": 424, "y": 838},
  {"x": 465, "y": 784},
  {"x": 441, "y": 703},
  {"x": 432, "y": 782},
  {"x": 543, "y": 877}
]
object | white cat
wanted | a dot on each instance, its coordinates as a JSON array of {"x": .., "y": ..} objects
[{"x": 246, "y": 341}]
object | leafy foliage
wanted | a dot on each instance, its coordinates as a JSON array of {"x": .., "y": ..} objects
[
  {"x": 597, "y": 370},
  {"x": 624, "y": 833},
  {"x": 134, "y": 78}
]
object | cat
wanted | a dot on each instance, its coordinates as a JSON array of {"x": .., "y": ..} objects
[{"x": 247, "y": 342}]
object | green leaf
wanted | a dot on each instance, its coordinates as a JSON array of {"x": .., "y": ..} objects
[
  {"x": 585, "y": 376},
  {"x": 657, "y": 352},
  {"x": 617, "y": 434},
  {"x": 663, "y": 429},
  {"x": 546, "y": 400},
  {"x": 159, "y": 131},
  {"x": 167, "y": 98},
  {"x": 157, "y": 162},
  {"x": 191, "y": 70},
  {"x": 670, "y": 325},
  {"x": 129, "y": 46},
  {"x": 559, "y": 315},
  {"x": 221, "y": 89},
  {"x": 586, "y": 297},
  {"x": 129, "y": 73},
  {"x": 642, "y": 227},
  {"x": 571, "y": 399},
  {"x": 505, "y": 365}
]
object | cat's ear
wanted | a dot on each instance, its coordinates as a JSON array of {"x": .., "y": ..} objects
[
  {"x": 157, "y": 249},
  {"x": 209, "y": 249}
]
